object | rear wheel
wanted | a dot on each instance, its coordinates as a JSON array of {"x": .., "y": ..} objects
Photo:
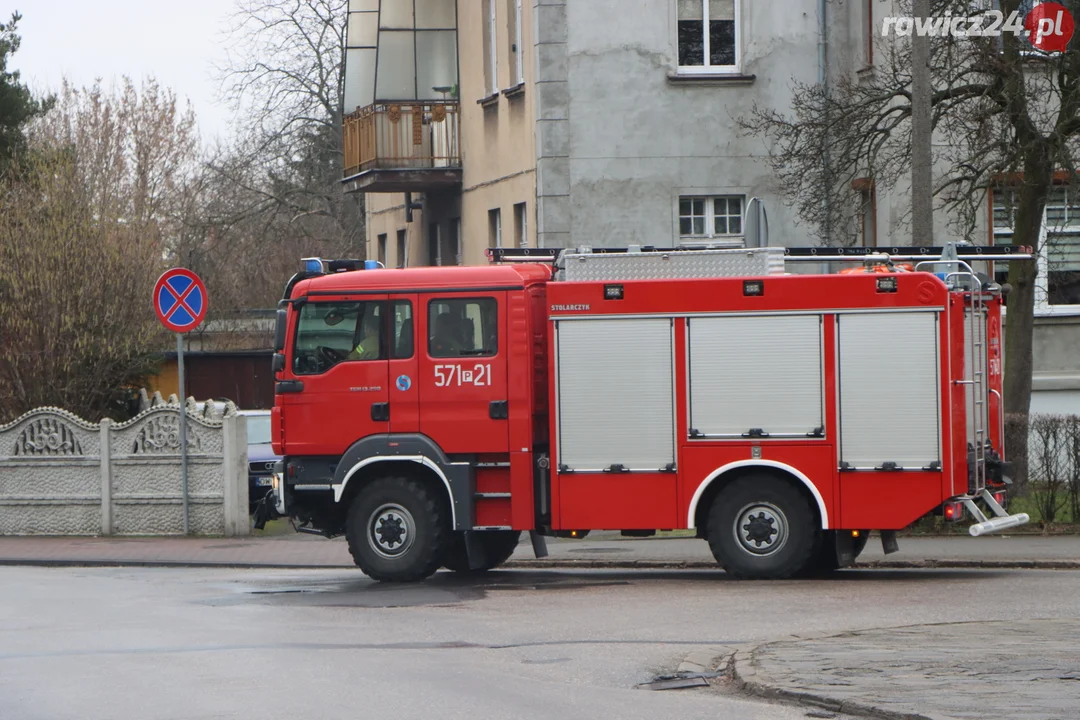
[
  {"x": 497, "y": 547},
  {"x": 761, "y": 527},
  {"x": 397, "y": 530}
]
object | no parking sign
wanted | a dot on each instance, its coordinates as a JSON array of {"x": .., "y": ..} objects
[{"x": 180, "y": 302}]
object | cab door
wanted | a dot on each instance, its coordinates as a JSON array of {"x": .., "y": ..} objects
[
  {"x": 463, "y": 378},
  {"x": 335, "y": 391}
]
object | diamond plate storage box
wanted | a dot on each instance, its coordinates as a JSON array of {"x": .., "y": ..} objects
[{"x": 670, "y": 264}]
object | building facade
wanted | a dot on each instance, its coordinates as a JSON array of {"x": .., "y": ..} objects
[{"x": 562, "y": 123}]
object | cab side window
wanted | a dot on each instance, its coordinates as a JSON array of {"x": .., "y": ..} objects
[
  {"x": 403, "y": 332},
  {"x": 466, "y": 327},
  {"x": 332, "y": 333}
]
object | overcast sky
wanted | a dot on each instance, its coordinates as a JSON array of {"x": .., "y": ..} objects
[{"x": 173, "y": 41}]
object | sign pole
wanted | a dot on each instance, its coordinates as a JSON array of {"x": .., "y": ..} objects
[
  {"x": 183, "y": 430},
  {"x": 180, "y": 304}
]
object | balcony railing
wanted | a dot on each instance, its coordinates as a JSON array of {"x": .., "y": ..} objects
[{"x": 402, "y": 136}]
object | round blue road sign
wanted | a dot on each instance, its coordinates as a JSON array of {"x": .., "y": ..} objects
[{"x": 180, "y": 300}]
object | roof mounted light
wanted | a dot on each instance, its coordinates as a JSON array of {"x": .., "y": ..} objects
[{"x": 313, "y": 265}]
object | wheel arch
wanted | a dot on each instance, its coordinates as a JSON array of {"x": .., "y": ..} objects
[
  {"x": 414, "y": 456},
  {"x": 418, "y": 467},
  {"x": 723, "y": 476}
]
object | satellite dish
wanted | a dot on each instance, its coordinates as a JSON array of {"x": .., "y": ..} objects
[{"x": 756, "y": 224}]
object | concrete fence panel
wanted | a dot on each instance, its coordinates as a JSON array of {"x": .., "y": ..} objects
[{"x": 60, "y": 475}]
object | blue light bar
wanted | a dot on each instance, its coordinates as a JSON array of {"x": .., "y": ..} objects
[{"x": 313, "y": 265}]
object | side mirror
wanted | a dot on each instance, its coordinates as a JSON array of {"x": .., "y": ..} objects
[
  {"x": 279, "y": 362},
  {"x": 279, "y": 329}
]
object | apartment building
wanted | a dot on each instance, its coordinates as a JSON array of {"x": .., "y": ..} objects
[{"x": 559, "y": 123}]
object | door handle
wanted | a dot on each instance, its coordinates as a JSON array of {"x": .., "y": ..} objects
[
  {"x": 289, "y": 386},
  {"x": 380, "y": 412},
  {"x": 499, "y": 410}
]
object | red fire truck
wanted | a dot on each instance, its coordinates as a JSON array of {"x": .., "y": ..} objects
[{"x": 432, "y": 414}]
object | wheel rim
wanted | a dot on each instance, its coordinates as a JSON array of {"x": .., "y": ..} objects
[
  {"x": 761, "y": 529},
  {"x": 391, "y": 531}
]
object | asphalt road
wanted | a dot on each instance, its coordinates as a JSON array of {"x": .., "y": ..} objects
[{"x": 195, "y": 644}]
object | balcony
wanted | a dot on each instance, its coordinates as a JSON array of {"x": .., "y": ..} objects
[{"x": 402, "y": 147}]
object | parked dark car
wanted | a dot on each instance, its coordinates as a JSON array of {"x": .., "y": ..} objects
[{"x": 261, "y": 457}]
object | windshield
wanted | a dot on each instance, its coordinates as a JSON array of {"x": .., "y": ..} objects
[{"x": 258, "y": 428}]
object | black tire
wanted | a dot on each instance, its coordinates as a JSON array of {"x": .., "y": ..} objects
[
  {"x": 498, "y": 546},
  {"x": 397, "y": 530},
  {"x": 762, "y": 527}
]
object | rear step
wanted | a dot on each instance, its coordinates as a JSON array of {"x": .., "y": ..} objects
[{"x": 1002, "y": 520}]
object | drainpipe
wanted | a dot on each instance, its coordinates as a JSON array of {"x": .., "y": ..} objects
[{"x": 823, "y": 82}]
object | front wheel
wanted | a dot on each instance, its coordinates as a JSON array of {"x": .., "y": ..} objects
[
  {"x": 761, "y": 527},
  {"x": 397, "y": 530}
]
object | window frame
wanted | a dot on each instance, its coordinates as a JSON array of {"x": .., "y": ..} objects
[
  {"x": 480, "y": 300},
  {"x": 495, "y": 235},
  {"x": 710, "y": 217},
  {"x": 868, "y": 29},
  {"x": 395, "y": 337},
  {"x": 1043, "y": 306},
  {"x": 490, "y": 47},
  {"x": 517, "y": 52},
  {"x": 708, "y": 68},
  {"x": 521, "y": 225},
  {"x": 402, "y": 249},
  {"x": 381, "y": 305},
  {"x": 381, "y": 240}
]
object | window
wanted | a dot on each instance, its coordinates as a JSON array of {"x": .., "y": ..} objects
[
  {"x": 868, "y": 29},
  {"x": 1058, "y": 279},
  {"x": 404, "y": 334},
  {"x": 332, "y": 333},
  {"x": 434, "y": 251},
  {"x": 455, "y": 240},
  {"x": 521, "y": 227},
  {"x": 867, "y": 215},
  {"x": 491, "y": 56},
  {"x": 712, "y": 50},
  {"x": 258, "y": 430},
  {"x": 401, "y": 249},
  {"x": 495, "y": 228},
  {"x": 868, "y": 199},
  {"x": 710, "y": 216},
  {"x": 382, "y": 249},
  {"x": 517, "y": 66},
  {"x": 463, "y": 328}
]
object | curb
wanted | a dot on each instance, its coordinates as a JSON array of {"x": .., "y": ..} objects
[
  {"x": 549, "y": 565},
  {"x": 748, "y": 680}
]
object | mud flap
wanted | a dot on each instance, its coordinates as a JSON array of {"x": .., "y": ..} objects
[
  {"x": 539, "y": 543},
  {"x": 265, "y": 511},
  {"x": 845, "y": 549},
  {"x": 474, "y": 550},
  {"x": 888, "y": 542}
]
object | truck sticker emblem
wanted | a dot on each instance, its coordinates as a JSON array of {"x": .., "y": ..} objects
[
  {"x": 569, "y": 308},
  {"x": 404, "y": 382}
]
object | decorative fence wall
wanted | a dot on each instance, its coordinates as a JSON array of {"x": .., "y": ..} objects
[{"x": 60, "y": 475}]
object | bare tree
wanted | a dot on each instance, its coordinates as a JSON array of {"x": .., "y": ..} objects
[
  {"x": 1006, "y": 114},
  {"x": 285, "y": 78},
  {"x": 85, "y": 224}
]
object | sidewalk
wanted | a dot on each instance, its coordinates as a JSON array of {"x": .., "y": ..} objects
[
  {"x": 600, "y": 550},
  {"x": 1021, "y": 669}
]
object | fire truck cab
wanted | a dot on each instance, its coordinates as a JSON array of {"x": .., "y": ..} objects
[{"x": 432, "y": 414}]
